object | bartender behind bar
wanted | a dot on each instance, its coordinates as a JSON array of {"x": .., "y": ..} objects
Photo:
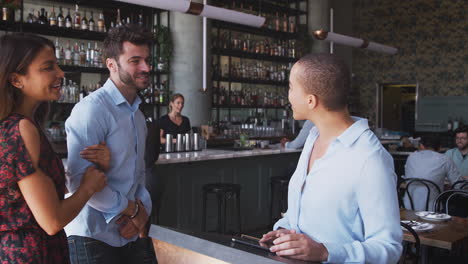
[{"x": 174, "y": 123}]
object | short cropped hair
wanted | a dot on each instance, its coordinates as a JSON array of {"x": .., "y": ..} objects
[
  {"x": 327, "y": 77},
  {"x": 462, "y": 129},
  {"x": 133, "y": 33},
  {"x": 430, "y": 141}
]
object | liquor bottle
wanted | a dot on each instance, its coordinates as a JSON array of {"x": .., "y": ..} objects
[
  {"x": 60, "y": 18},
  {"x": 76, "y": 55},
  {"x": 42, "y": 17},
  {"x": 101, "y": 23},
  {"x": 53, "y": 18},
  {"x": 57, "y": 51},
  {"x": 277, "y": 22},
  {"x": 31, "y": 17},
  {"x": 140, "y": 19},
  {"x": 83, "y": 93},
  {"x": 84, "y": 22},
  {"x": 118, "y": 22},
  {"x": 77, "y": 18},
  {"x": 68, "y": 54},
  {"x": 68, "y": 20},
  {"x": 89, "y": 55},
  {"x": 82, "y": 55},
  {"x": 97, "y": 56},
  {"x": 91, "y": 23},
  {"x": 285, "y": 23},
  {"x": 292, "y": 25}
]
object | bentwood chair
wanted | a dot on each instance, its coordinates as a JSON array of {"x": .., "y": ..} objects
[
  {"x": 460, "y": 185},
  {"x": 452, "y": 202},
  {"x": 404, "y": 188},
  {"x": 410, "y": 250}
]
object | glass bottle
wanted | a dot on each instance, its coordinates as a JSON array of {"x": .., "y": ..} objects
[
  {"x": 68, "y": 20},
  {"x": 118, "y": 22},
  {"x": 91, "y": 23},
  {"x": 101, "y": 23},
  {"x": 68, "y": 54},
  {"x": 84, "y": 22},
  {"x": 42, "y": 17},
  {"x": 77, "y": 18},
  {"x": 60, "y": 18},
  {"x": 53, "y": 18},
  {"x": 58, "y": 53}
]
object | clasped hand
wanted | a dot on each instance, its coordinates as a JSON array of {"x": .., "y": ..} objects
[{"x": 288, "y": 243}]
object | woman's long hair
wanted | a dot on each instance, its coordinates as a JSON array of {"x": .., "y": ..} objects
[{"x": 17, "y": 51}]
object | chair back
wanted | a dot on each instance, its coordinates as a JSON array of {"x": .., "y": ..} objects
[
  {"x": 404, "y": 187},
  {"x": 461, "y": 185},
  {"x": 408, "y": 246},
  {"x": 452, "y": 202}
]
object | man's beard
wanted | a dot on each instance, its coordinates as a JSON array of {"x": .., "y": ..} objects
[
  {"x": 128, "y": 80},
  {"x": 463, "y": 148}
]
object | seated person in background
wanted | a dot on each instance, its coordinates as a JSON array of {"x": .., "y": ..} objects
[
  {"x": 459, "y": 154},
  {"x": 174, "y": 123},
  {"x": 342, "y": 204},
  {"x": 299, "y": 141},
  {"x": 406, "y": 145},
  {"x": 428, "y": 164}
]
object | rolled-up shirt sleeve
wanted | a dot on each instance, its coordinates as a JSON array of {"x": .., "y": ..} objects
[
  {"x": 378, "y": 206},
  {"x": 86, "y": 126},
  {"x": 282, "y": 223}
]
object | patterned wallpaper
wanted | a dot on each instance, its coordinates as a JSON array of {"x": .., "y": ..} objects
[{"x": 431, "y": 36}]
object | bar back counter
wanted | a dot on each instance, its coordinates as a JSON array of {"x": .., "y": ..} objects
[{"x": 177, "y": 179}]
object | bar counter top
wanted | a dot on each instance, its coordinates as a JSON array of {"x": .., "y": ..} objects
[{"x": 216, "y": 154}]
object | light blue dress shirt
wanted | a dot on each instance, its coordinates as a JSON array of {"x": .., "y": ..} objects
[
  {"x": 348, "y": 200},
  {"x": 429, "y": 165},
  {"x": 300, "y": 140},
  {"x": 460, "y": 161},
  {"x": 105, "y": 115}
]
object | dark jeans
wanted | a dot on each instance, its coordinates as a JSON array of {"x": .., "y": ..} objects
[{"x": 84, "y": 250}]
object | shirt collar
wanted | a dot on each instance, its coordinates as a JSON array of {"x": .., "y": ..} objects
[
  {"x": 350, "y": 135},
  {"x": 117, "y": 96}
]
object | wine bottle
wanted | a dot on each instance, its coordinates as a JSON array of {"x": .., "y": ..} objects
[{"x": 60, "y": 18}]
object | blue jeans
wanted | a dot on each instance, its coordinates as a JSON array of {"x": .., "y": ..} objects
[{"x": 84, "y": 250}]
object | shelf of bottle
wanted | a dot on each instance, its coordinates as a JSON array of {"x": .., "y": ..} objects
[
  {"x": 62, "y": 32},
  {"x": 257, "y": 31},
  {"x": 249, "y": 81},
  {"x": 73, "y": 68},
  {"x": 249, "y": 55},
  {"x": 106, "y": 4},
  {"x": 265, "y": 7},
  {"x": 248, "y": 106}
]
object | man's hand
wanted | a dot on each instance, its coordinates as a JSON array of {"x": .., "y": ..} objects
[
  {"x": 299, "y": 246},
  {"x": 98, "y": 154},
  {"x": 283, "y": 142},
  {"x": 272, "y": 235},
  {"x": 141, "y": 218},
  {"x": 127, "y": 228}
]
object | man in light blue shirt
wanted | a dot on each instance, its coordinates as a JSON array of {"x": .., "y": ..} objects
[
  {"x": 459, "y": 154},
  {"x": 107, "y": 228},
  {"x": 342, "y": 200},
  {"x": 300, "y": 140},
  {"x": 431, "y": 165}
]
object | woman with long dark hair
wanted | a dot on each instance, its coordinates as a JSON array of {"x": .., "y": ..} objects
[{"x": 33, "y": 210}]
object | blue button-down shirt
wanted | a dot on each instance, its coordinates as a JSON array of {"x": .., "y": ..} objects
[
  {"x": 460, "y": 161},
  {"x": 348, "y": 200},
  {"x": 106, "y": 115}
]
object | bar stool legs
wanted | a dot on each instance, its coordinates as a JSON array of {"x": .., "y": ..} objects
[{"x": 224, "y": 192}]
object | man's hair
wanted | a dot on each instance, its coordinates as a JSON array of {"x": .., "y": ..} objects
[
  {"x": 327, "y": 77},
  {"x": 462, "y": 129},
  {"x": 430, "y": 141},
  {"x": 133, "y": 33}
]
